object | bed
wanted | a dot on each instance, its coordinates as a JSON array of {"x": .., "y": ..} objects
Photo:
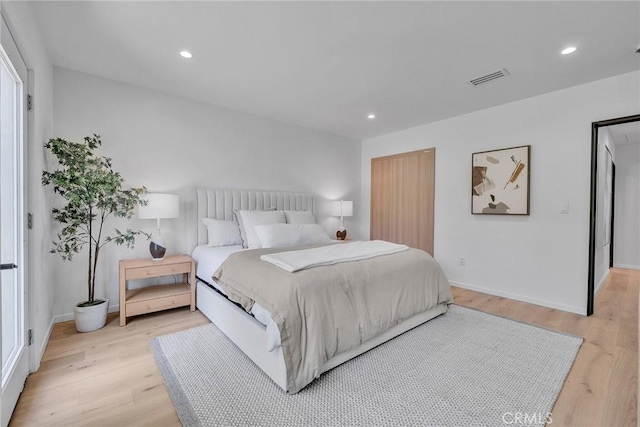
[{"x": 254, "y": 333}]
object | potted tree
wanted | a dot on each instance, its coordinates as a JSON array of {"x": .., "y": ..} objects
[{"x": 92, "y": 192}]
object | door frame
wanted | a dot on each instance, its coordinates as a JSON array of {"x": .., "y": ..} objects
[
  {"x": 14, "y": 52},
  {"x": 29, "y": 244},
  {"x": 613, "y": 212},
  {"x": 595, "y": 126}
]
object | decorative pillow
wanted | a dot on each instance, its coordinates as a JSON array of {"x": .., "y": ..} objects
[
  {"x": 222, "y": 233},
  {"x": 248, "y": 219},
  {"x": 289, "y": 235},
  {"x": 299, "y": 217}
]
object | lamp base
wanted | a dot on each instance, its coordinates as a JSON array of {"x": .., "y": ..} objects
[
  {"x": 157, "y": 248},
  {"x": 341, "y": 234}
]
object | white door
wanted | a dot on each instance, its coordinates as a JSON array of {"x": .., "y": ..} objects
[{"x": 13, "y": 333}]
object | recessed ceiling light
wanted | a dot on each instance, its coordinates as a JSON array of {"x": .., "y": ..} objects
[
  {"x": 568, "y": 50},
  {"x": 371, "y": 116},
  {"x": 186, "y": 54}
]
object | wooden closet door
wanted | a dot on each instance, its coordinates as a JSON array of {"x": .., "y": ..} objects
[{"x": 402, "y": 197}]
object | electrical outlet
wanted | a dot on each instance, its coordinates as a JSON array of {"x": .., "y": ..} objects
[{"x": 462, "y": 261}]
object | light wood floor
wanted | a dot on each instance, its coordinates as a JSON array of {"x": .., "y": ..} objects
[{"x": 109, "y": 377}]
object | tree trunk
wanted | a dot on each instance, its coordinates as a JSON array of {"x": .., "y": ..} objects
[
  {"x": 89, "y": 275},
  {"x": 95, "y": 266}
]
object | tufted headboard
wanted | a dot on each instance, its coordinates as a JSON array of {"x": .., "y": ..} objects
[{"x": 219, "y": 204}]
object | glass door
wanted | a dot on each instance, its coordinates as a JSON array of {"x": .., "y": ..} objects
[{"x": 13, "y": 342}]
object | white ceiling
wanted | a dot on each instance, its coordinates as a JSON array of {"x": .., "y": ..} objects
[
  {"x": 326, "y": 65},
  {"x": 628, "y": 133}
]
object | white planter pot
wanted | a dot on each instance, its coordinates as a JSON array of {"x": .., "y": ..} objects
[{"x": 91, "y": 318}]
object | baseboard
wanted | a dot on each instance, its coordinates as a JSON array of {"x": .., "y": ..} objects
[
  {"x": 627, "y": 266},
  {"x": 69, "y": 316},
  {"x": 523, "y": 298},
  {"x": 43, "y": 345},
  {"x": 602, "y": 281}
]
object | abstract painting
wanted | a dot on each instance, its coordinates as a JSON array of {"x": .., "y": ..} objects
[{"x": 500, "y": 181}]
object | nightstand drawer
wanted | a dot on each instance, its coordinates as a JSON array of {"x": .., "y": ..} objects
[
  {"x": 158, "y": 304},
  {"x": 159, "y": 270}
]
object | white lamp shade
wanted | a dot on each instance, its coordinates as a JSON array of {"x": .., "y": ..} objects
[
  {"x": 342, "y": 208},
  {"x": 159, "y": 206}
]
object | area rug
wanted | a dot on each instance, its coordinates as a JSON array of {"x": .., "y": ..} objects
[{"x": 464, "y": 368}]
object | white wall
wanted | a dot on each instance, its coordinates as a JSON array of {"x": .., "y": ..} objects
[
  {"x": 168, "y": 144},
  {"x": 541, "y": 258},
  {"x": 626, "y": 252},
  {"x": 40, "y": 270},
  {"x": 603, "y": 222}
]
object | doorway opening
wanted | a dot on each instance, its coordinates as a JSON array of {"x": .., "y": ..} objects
[{"x": 602, "y": 206}]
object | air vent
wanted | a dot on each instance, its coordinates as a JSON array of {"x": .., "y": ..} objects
[{"x": 489, "y": 77}]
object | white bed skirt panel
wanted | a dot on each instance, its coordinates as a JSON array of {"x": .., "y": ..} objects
[{"x": 245, "y": 332}]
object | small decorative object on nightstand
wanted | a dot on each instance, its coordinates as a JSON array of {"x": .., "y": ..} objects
[
  {"x": 160, "y": 297},
  {"x": 341, "y": 208}
]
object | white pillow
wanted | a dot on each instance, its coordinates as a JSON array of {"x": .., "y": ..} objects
[
  {"x": 299, "y": 217},
  {"x": 247, "y": 220},
  {"x": 289, "y": 235},
  {"x": 222, "y": 233}
]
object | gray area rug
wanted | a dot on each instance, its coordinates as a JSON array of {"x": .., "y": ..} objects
[{"x": 464, "y": 368}]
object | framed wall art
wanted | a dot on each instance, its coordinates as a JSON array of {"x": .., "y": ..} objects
[{"x": 500, "y": 181}]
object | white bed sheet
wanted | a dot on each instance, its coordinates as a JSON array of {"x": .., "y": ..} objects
[{"x": 208, "y": 259}]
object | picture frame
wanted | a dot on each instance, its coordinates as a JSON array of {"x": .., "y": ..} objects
[{"x": 500, "y": 181}]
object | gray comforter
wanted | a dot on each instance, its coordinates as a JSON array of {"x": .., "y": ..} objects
[{"x": 324, "y": 311}]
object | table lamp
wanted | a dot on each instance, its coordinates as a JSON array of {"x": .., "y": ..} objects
[
  {"x": 159, "y": 206},
  {"x": 341, "y": 208}
]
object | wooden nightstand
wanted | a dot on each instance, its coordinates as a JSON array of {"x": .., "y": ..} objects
[{"x": 161, "y": 297}]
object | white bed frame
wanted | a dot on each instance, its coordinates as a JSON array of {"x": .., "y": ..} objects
[{"x": 241, "y": 328}]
